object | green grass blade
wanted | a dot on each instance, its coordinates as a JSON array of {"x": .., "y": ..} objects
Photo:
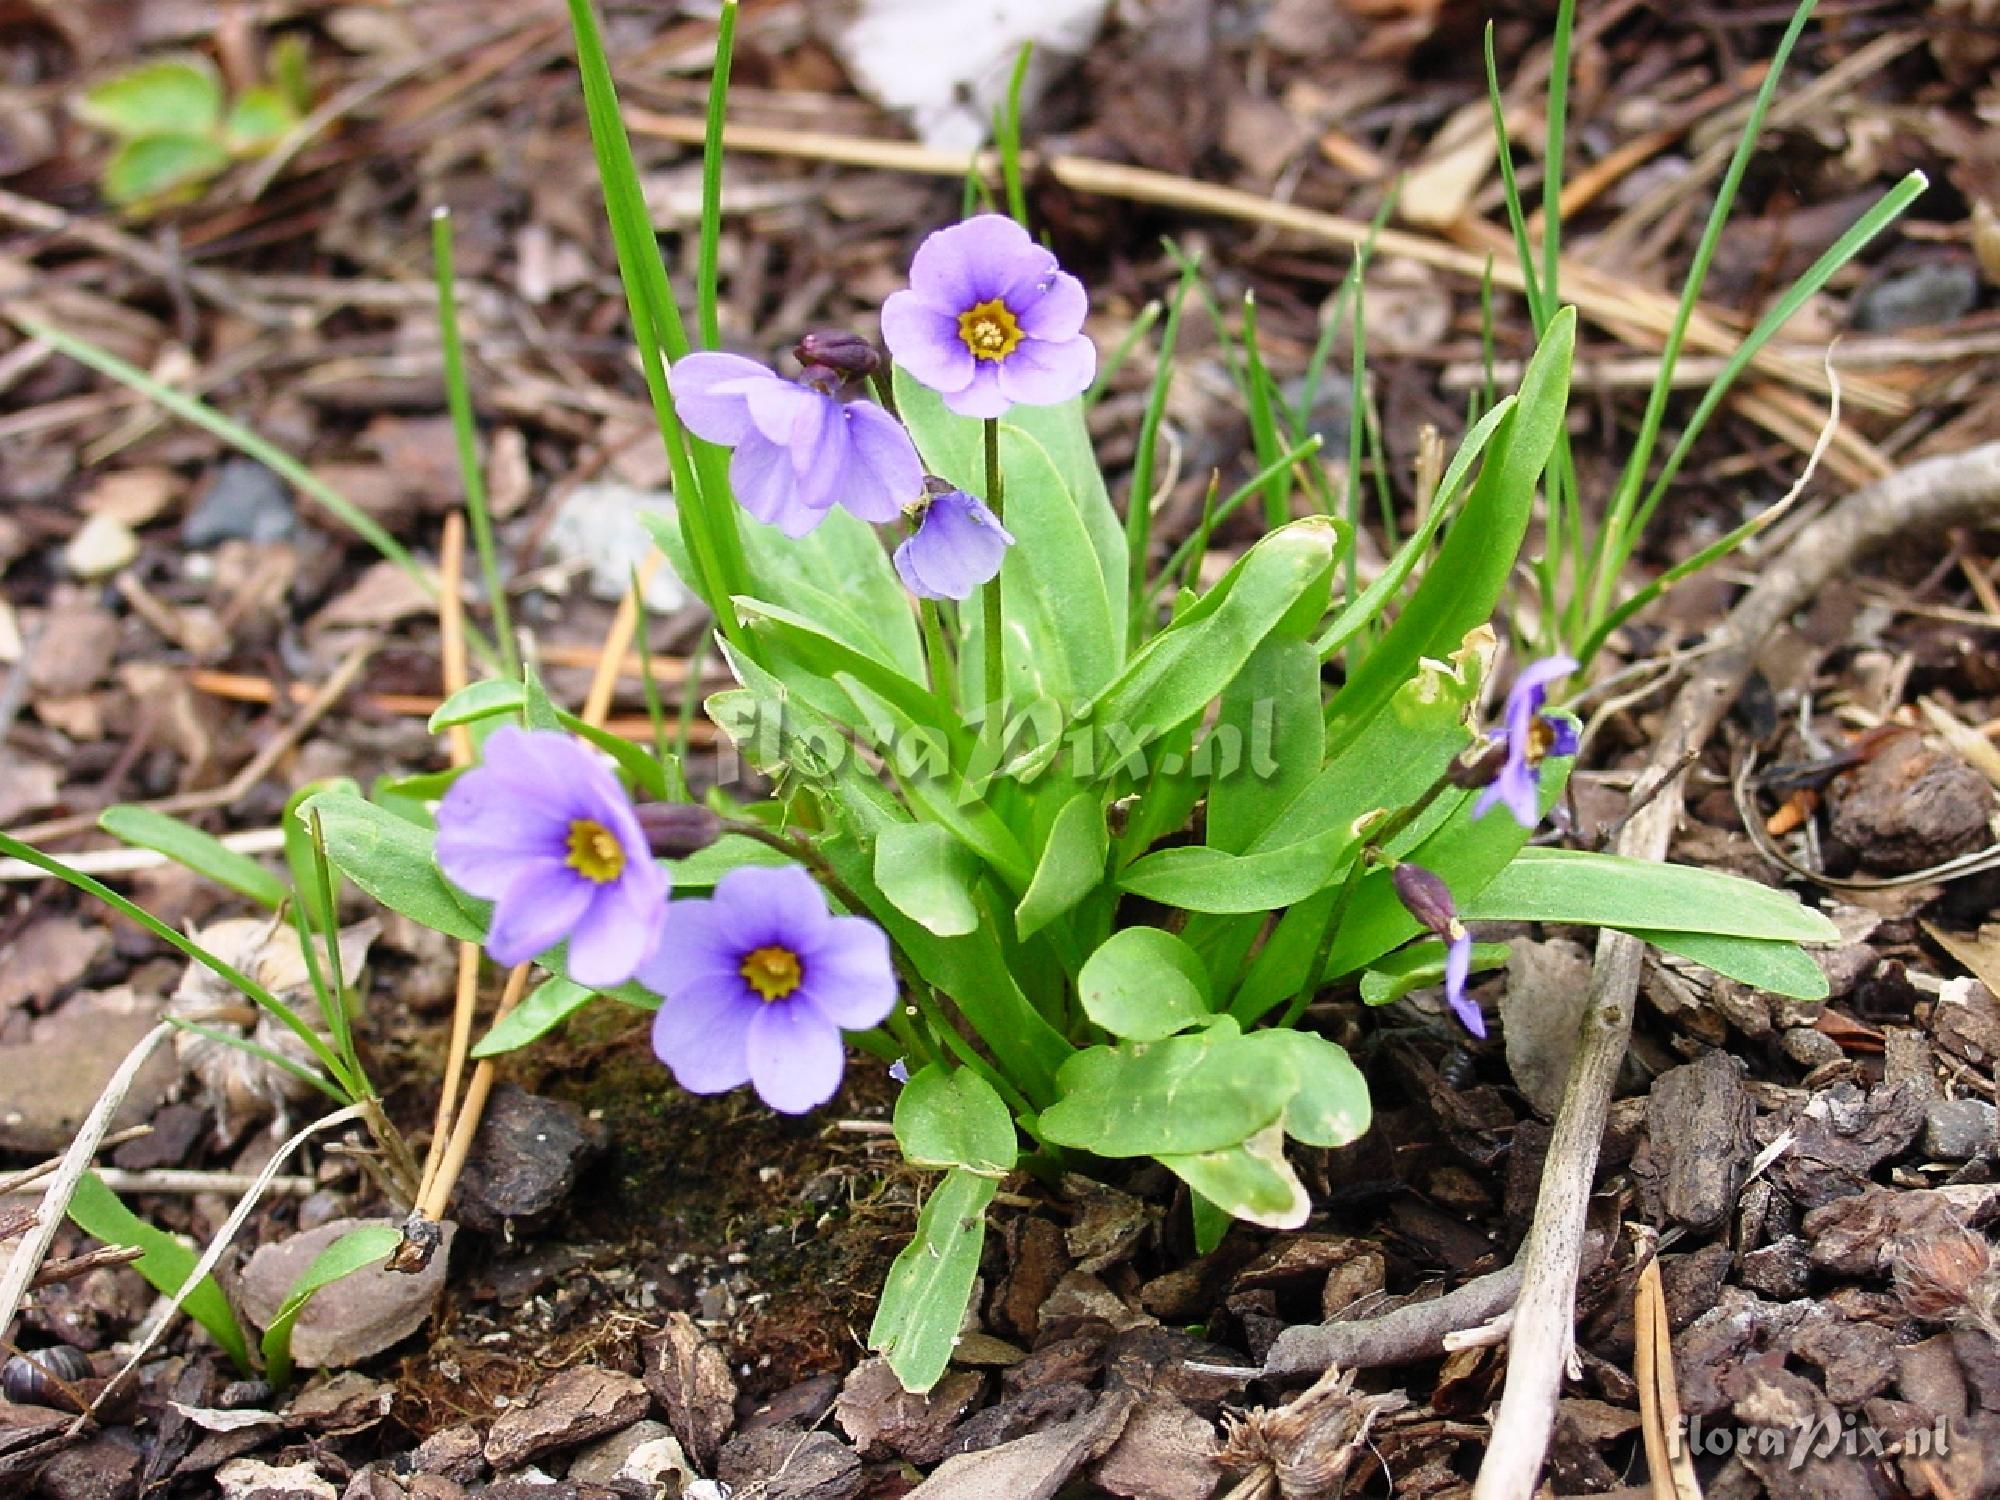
[
  {"x": 354, "y": 1251},
  {"x": 203, "y": 853},
  {"x": 1008, "y": 138},
  {"x": 708, "y": 251},
  {"x": 1139, "y": 505}
]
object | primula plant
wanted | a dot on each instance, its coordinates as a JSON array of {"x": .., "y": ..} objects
[{"x": 1067, "y": 847}]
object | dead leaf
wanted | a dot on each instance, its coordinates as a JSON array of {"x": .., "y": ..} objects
[
  {"x": 1980, "y": 954},
  {"x": 1548, "y": 986},
  {"x": 352, "y": 1318},
  {"x": 1659, "y": 1398}
]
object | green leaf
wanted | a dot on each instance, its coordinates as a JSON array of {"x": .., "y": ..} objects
[
  {"x": 541, "y": 1011},
  {"x": 1608, "y": 890},
  {"x": 200, "y": 852},
  {"x": 1418, "y": 966},
  {"x": 929, "y": 875},
  {"x": 1187, "y": 1094},
  {"x": 930, "y": 1285},
  {"x": 1469, "y": 573},
  {"x": 1332, "y": 1106},
  {"x": 1251, "y": 1181},
  {"x": 955, "y": 1120},
  {"x": 166, "y": 1263},
  {"x": 1196, "y": 878},
  {"x": 353, "y": 1251},
  {"x": 157, "y": 169},
  {"x": 390, "y": 859},
  {"x": 700, "y": 870},
  {"x": 178, "y": 96},
  {"x": 840, "y": 575},
  {"x": 321, "y": 904},
  {"x": 1071, "y": 866},
  {"x": 258, "y": 120},
  {"x": 1211, "y": 1223},
  {"x": 1183, "y": 669},
  {"x": 1782, "y": 968},
  {"x": 1144, "y": 984},
  {"x": 479, "y": 700},
  {"x": 1268, "y": 743}
]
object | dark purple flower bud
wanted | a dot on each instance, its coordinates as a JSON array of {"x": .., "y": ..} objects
[
  {"x": 1427, "y": 898},
  {"x": 675, "y": 830},
  {"x": 1478, "y": 764},
  {"x": 849, "y": 353}
]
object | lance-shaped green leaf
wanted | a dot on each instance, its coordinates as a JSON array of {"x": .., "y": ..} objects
[
  {"x": 929, "y": 875},
  {"x": 930, "y": 1284},
  {"x": 544, "y": 1008},
  {"x": 203, "y": 853},
  {"x": 353, "y": 1251},
  {"x": 1268, "y": 742},
  {"x": 1608, "y": 890},
  {"x": 390, "y": 858},
  {"x": 1196, "y": 878},
  {"x": 1071, "y": 866},
  {"x": 1783, "y": 968}
]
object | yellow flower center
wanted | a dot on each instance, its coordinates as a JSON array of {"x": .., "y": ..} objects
[
  {"x": 1541, "y": 739},
  {"x": 594, "y": 851},
  {"x": 989, "y": 330},
  {"x": 772, "y": 972}
]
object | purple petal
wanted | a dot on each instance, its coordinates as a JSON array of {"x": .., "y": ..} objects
[
  {"x": 619, "y": 930},
  {"x": 983, "y": 396},
  {"x": 785, "y": 413},
  {"x": 1053, "y": 311},
  {"x": 1562, "y": 736},
  {"x": 850, "y": 979},
  {"x": 703, "y": 1033},
  {"x": 822, "y": 463},
  {"x": 487, "y": 832},
  {"x": 771, "y": 905},
  {"x": 884, "y": 472},
  {"x": 1045, "y": 373},
  {"x": 796, "y": 1057},
  {"x": 1538, "y": 675},
  {"x": 693, "y": 948},
  {"x": 925, "y": 341},
  {"x": 959, "y": 545},
  {"x": 709, "y": 393},
  {"x": 1457, "y": 964},
  {"x": 536, "y": 912},
  {"x": 1517, "y": 788},
  {"x": 969, "y": 262},
  {"x": 767, "y": 486}
]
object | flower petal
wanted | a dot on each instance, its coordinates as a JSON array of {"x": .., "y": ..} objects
[
  {"x": 782, "y": 411},
  {"x": 1457, "y": 965},
  {"x": 1042, "y": 372},
  {"x": 772, "y": 905},
  {"x": 617, "y": 932},
  {"x": 703, "y": 1033},
  {"x": 709, "y": 393},
  {"x": 796, "y": 1057},
  {"x": 983, "y": 397},
  {"x": 1053, "y": 310},
  {"x": 536, "y": 912},
  {"x": 766, "y": 485},
  {"x": 970, "y": 261},
  {"x": 850, "y": 978},
  {"x": 959, "y": 545},
  {"x": 696, "y": 946},
  {"x": 487, "y": 832},
  {"x": 925, "y": 341},
  {"x": 883, "y": 473}
]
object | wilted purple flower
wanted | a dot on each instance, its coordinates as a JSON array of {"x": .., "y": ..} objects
[
  {"x": 542, "y": 829},
  {"x": 1427, "y": 898},
  {"x": 1530, "y": 736},
  {"x": 759, "y": 983},
  {"x": 990, "y": 320},
  {"x": 958, "y": 545},
  {"x": 800, "y": 449}
]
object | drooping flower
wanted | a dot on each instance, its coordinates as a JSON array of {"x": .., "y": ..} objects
[
  {"x": 800, "y": 448},
  {"x": 958, "y": 545},
  {"x": 542, "y": 829},
  {"x": 1427, "y": 898},
  {"x": 990, "y": 320},
  {"x": 758, "y": 984},
  {"x": 1529, "y": 737}
]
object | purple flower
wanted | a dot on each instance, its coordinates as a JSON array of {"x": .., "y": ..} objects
[
  {"x": 990, "y": 320},
  {"x": 1529, "y": 736},
  {"x": 800, "y": 449},
  {"x": 958, "y": 545},
  {"x": 1427, "y": 898},
  {"x": 759, "y": 983},
  {"x": 543, "y": 829}
]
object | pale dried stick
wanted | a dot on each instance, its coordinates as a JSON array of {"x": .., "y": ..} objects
[
  {"x": 451, "y": 635},
  {"x": 1926, "y": 497}
]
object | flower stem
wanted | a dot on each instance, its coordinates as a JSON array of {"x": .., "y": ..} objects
[{"x": 995, "y": 661}]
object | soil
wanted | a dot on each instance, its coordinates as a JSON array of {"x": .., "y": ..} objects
[{"x": 168, "y": 610}]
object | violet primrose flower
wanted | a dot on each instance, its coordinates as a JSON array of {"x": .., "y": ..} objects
[
  {"x": 959, "y": 544},
  {"x": 800, "y": 449},
  {"x": 1530, "y": 736},
  {"x": 760, "y": 981},
  {"x": 990, "y": 320},
  {"x": 1427, "y": 898},
  {"x": 543, "y": 829}
]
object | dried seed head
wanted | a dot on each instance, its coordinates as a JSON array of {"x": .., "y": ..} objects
[{"x": 1946, "y": 1278}]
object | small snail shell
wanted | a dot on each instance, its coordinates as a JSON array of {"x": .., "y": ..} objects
[{"x": 38, "y": 1379}]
